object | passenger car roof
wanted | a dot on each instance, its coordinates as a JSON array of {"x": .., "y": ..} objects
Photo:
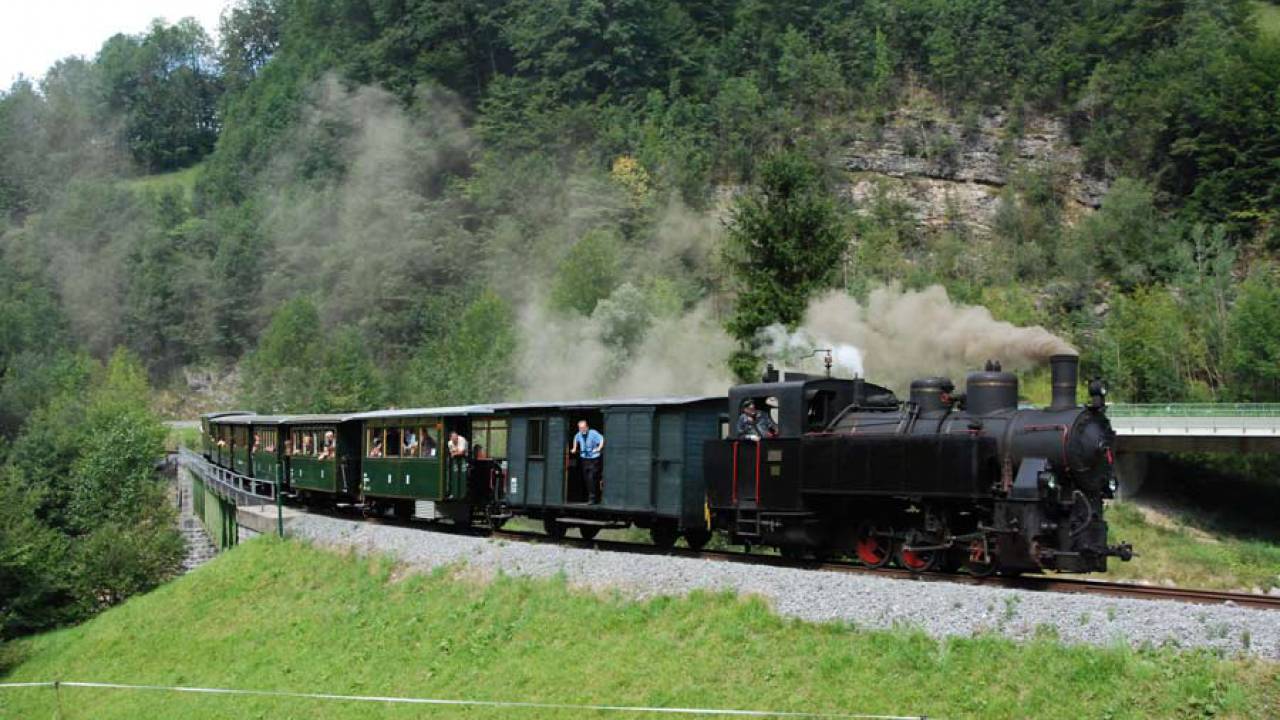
[
  {"x": 451, "y": 410},
  {"x": 244, "y": 418},
  {"x": 250, "y": 419}
]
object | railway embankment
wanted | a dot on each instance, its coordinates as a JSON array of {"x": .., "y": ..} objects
[
  {"x": 940, "y": 609},
  {"x": 283, "y": 629}
]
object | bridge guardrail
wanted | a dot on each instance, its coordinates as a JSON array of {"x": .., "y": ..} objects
[
  {"x": 233, "y": 487},
  {"x": 1206, "y": 410}
]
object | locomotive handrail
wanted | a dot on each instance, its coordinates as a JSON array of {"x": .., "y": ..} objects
[{"x": 1194, "y": 410}]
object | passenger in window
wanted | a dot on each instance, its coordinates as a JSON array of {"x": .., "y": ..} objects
[
  {"x": 587, "y": 445},
  {"x": 288, "y": 446},
  {"x": 480, "y": 452},
  {"x": 306, "y": 444},
  {"x": 410, "y": 443},
  {"x": 375, "y": 449},
  {"x": 329, "y": 449},
  {"x": 457, "y": 451},
  {"x": 257, "y": 442},
  {"x": 753, "y": 425}
]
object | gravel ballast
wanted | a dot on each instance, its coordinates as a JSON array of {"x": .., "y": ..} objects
[{"x": 940, "y": 609}]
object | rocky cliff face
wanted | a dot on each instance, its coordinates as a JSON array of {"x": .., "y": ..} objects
[{"x": 948, "y": 171}]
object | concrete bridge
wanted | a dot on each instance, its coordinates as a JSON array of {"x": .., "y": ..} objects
[
  {"x": 1180, "y": 428},
  {"x": 1205, "y": 427}
]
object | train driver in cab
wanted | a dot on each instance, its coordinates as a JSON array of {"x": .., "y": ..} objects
[{"x": 753, "y": 425}]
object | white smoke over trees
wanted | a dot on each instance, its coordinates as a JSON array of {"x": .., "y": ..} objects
[{"x": 897, "y": 335}]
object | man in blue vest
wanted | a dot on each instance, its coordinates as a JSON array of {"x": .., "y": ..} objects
[{"x": 587, "y": 444}]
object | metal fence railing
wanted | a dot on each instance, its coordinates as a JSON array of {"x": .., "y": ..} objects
[
  {"x": 233, "y": 487},
  {"x": 1194, "y": 410}
]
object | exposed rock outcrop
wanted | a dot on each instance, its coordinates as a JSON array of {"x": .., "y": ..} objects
[{"x": 949, "y": 171}]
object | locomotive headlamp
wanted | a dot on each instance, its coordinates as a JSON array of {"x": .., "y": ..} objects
[
  {"x": 1049, "y": 480},
  {"x": 1113, "y": 485}
]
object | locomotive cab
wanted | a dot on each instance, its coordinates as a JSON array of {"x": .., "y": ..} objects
[{"x": 799, "y": 403}]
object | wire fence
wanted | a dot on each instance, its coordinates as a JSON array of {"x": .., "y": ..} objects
[{"x": 515, "y": 705}]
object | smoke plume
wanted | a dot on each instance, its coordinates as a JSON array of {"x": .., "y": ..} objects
[
  {"x": 898, "y": 335},
  {"x": 566, "y": 358}
]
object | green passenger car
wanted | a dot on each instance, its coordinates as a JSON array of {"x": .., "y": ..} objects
[
  {"x": 652, "y": 465},
  {"x": 210, "y": 428},
  {"x": 323, "y": 457},
  {"x": 259, "y": 437},
  {"x": 266, "y": 452},
  {"x": 407, "y": 467}
]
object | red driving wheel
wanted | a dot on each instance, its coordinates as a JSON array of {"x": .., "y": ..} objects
[
  {"x": 917, "y": 561},
  {"x": 872, "y": 549}
]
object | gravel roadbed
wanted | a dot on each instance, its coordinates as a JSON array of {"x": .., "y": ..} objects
[{"x": 939, "y": 608}]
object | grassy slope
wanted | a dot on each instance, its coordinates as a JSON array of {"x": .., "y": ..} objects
[
  {"x": 185, "y": 179},
  {"x": 277, "y": 615},
  {"x": 1189, "y": 555}
]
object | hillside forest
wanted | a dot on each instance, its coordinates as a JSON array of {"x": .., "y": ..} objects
[{"x": 342, "y": 204}]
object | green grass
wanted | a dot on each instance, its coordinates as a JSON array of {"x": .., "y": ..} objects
[
  {"x": 185, "y": 179},
  {"x": 279, "y": 615},
  {"x": 1189, "y": 555},
  {"x": 182, "y": 437}
]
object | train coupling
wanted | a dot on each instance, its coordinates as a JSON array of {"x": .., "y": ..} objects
[{"x": 1124, "y": 551}]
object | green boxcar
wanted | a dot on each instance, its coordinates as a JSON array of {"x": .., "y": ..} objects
[
  {"x": 323, "y": 456},
  {"x": 652, "y": 469}
]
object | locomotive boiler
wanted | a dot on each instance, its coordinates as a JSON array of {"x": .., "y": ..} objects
[{"x": 941, "y": 480}]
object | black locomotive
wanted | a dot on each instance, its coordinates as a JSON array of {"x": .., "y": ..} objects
[{"x": 940, "y": 481}]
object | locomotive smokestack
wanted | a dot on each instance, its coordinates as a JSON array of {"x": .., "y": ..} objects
[{"x": 1066, "y": 375}]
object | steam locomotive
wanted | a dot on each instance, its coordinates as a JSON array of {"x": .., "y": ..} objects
[{"x": 942, "y": 481}]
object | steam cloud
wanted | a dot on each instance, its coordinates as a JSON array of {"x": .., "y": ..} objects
[
  {"x": 566, "y": 358},
  {"x": 899, "y": 335},
  {"x": 381, "y": 232}
]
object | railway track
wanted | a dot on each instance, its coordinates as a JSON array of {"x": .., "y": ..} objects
[{"x": 1037, "y": 583}]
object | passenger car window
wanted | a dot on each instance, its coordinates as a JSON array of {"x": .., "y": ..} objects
[
  {"x": 374, "y": 443},
  {"x": 431, "y": 441},
  {"x": 410, "y": 441},
  {"x": 491, "y": 434}
]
